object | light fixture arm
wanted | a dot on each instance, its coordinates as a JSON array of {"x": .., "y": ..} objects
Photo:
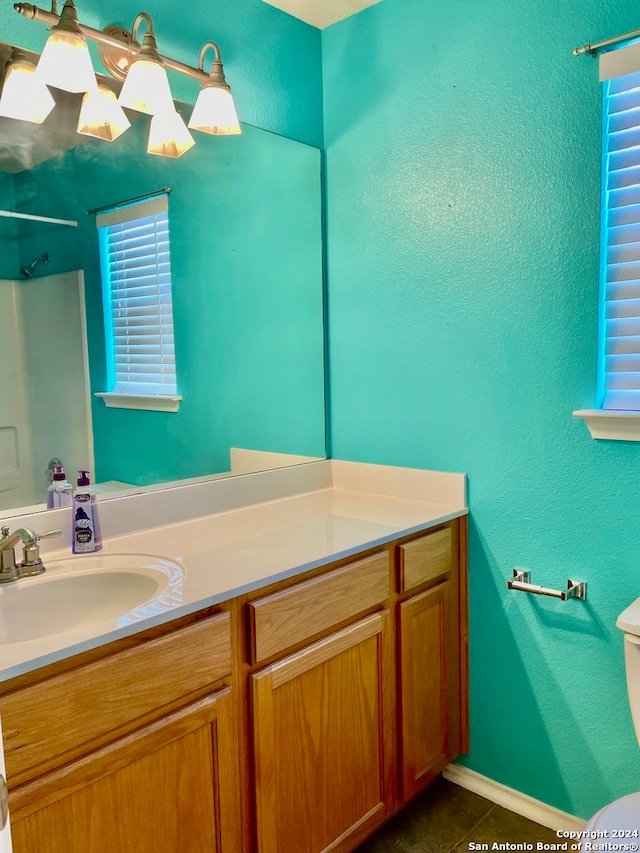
[
  {"x": 28, "y": 10},
  {"x": 216, "y": 75},
  {"x": 140, "y": 17},
  {"x": 203, "y": 51},
  {"x": 149, "y": 48}
]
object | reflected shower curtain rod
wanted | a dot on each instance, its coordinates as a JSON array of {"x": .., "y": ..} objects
[
  {"x": 598, "y": 45},
  {"x": 13, "y": 214}
]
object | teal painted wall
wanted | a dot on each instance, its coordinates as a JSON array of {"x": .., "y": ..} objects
[
  {"x": 463, "y": 167},
  {"x": 246, "y": 261},
  {"x": 272, "y": 61},
  {"x": 9, "y": 265}
]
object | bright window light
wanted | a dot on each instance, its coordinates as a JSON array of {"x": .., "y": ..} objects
[{"x": 136, "y": 277}]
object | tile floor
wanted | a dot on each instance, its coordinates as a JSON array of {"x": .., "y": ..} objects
[{"x": 447, "y": 817}]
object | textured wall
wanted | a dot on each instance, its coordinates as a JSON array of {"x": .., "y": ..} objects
[
  {"x": 463, "y": 191},
  {"x": 271, "y": 60}
]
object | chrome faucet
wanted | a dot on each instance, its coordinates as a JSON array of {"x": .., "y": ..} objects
[{"x": 31, "y": 563}]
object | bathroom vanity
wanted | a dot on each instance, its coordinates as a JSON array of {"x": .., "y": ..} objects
[{"x": 308, "y": 679}]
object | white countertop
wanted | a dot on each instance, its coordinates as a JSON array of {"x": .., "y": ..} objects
[{"x": 227, "y": 553}]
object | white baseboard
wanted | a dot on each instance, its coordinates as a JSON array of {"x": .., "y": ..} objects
[{"x": 511, "y": 799}]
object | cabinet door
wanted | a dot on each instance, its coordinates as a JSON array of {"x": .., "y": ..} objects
[
  {"x": 168, "y": 788},
  {"x": 429, "y": 686},
  {"x": 322, "y": 727}
]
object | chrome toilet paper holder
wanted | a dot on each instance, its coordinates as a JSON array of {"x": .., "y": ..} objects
[{"x": 521, "y": 582}]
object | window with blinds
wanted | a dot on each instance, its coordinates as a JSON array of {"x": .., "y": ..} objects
[
  {"x": 619, "y": 378},
  {"x": 136, "y": 275}
]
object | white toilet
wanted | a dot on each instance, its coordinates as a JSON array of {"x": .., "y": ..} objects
[{"x": 624, "y": 814}]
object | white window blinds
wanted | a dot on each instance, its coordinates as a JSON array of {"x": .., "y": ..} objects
[
  {"x": 136, "y": 273},
  {"x": 620, "y": 244}
]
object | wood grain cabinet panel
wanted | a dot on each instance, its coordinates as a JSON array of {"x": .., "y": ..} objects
[
  {"x": 429, "y": 686},
  {"x": 427, "y": 558},
  {"x": 49, "y": 723},
  {"x": 321, "y": 724},
  {"x": 284, "y": 619},
  {"x": 170, "y": 788}
]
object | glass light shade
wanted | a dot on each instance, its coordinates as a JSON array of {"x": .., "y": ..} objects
[
  {"x": 101, "y": 115},
  {"x": 24, "y": 95},
  {"x": 65, "y": 63},
  {"x": 146, "y": 88},
  {"x": 168, "y": 135},
  {"x": 215, "y": 112}
]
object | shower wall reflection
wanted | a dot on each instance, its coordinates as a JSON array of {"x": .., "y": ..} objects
[{"x": 44, "y": 407}]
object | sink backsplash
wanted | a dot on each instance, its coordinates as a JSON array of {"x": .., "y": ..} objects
[{"x": 132, "y": 513}]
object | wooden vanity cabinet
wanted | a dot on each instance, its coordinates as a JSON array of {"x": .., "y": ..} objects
[
  {"x": 299, "y": 717},
  {"x": 132, "y": 751},
  {"x": 432, "y": 653},
  {"x": 162, "y": 789},
  {"x": 320, "y": 726},
  {"x": 322, "y": 716},
  {"x": 353, "y": 725}
]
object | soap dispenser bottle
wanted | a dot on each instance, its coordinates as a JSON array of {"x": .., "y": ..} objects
[
  {"x": 59, "y": 492},
  {"x": 86, "y": 524}
]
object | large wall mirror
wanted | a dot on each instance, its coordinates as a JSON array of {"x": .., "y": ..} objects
[{"x": 246, "y": 254}]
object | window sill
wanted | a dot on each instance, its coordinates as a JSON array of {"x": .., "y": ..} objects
[
  {"x": 150, "y": 403},
  {"x": 611, "y": 424}
]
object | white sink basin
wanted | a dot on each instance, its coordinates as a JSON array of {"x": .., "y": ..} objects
[{"x": 79, "y": 592}]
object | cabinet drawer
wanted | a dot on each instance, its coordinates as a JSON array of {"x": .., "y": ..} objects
[
  {"x": 49, "y": 723},
  {"x": 426, "y": 558},
  {"x": 286, "y": 618}
]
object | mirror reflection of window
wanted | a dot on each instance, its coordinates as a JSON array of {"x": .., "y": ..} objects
[{"x": 136, "y": 279}]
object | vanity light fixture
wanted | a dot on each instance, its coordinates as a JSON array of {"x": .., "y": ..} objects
[
  {"x": 168, "y": 135},
  {"x": 65, "y": 62},
  {"x": 215, "y": 111},
  {"x": 101, "y": 115},
  {"x": 145, "y": 86},
  {"x": 24, "y": 95}
]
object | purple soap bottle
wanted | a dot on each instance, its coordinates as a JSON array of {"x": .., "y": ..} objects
[{"x": 87, "y": 537}]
